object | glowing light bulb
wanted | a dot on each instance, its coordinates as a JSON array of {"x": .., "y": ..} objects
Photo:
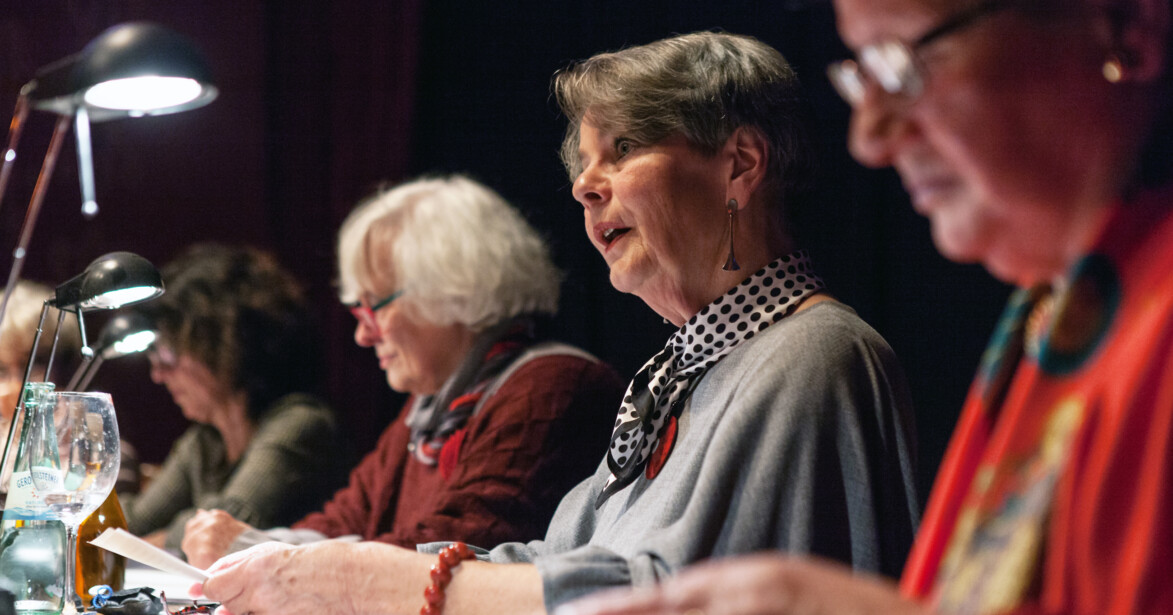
[
  {"x": 135, "y": 342},
  {"x": 143, "y": 94},
  {"x": 119, "y": 297}
]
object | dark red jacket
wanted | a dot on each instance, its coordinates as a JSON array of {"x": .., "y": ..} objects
[{"x": 543, "y": 431}]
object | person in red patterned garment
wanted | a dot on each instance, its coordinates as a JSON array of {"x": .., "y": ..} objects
[{"x": 449, "y": 286}]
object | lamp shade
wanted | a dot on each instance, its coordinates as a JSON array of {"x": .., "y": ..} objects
[
  {"x": 131, "y": 69},
  {"x": 125, "y": 334},
  {"x": 113, "y": 280}
]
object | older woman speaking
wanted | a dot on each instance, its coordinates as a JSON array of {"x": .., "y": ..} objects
[
  {"x": 448, "y": 284},
  {"x": 774, "y": 418},
  {"x": 1038, "y": 139}
]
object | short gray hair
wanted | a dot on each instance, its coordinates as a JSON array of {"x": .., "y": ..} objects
[
  {"x": 457, "y": 249},
  {"x": 704, "y": 86}
]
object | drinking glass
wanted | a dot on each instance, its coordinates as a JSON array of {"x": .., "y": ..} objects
[{"x": 74, "y": 464}]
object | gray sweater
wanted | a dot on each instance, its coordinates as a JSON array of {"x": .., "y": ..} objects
[
  {"x": 801, "y": 439},
  {"x": 290, "y": 466}
]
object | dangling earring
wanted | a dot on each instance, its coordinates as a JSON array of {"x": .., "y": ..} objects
[
  {"x": 731, "y": 262},
  {"x": 1113, "y": 67}
]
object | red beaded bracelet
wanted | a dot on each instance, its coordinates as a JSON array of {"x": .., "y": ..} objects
[{"x": 450, "y": 557}]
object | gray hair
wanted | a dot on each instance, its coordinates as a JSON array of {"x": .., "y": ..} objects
[
  {"x": 704, "y": 86},
  {"x": 457, "y": 249}
]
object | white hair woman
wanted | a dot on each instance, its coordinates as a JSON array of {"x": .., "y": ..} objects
[
  {"x": 774, "y": 418},
  {"x": 455, "y": 248},
  {"x": 448, "y": 284}
]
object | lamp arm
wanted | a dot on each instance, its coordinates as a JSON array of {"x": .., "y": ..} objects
[
  {"x": 15, "y": 128},
  {"x": 28, "y": 372},
  {"x": 93, "y": 366},
  {"x": 87, "y": 357},
  {"x": 34, "y": 210},
  {"x": 78, "y": 374},
  {"x": 85, "y": 162},
  {"x": 53, "y": 348},
  {"x": 87, "y": 353}
]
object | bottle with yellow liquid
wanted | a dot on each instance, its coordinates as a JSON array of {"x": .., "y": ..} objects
[{"x": 96, "y": 566}]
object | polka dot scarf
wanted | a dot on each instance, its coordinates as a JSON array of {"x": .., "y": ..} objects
[{"x": 664, "y": 383}]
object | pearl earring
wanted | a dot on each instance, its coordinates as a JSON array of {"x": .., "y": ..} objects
[{"x": 1114, "y": 67}]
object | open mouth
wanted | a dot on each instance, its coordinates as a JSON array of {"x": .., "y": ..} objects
[{"x": 612, "y": 234}]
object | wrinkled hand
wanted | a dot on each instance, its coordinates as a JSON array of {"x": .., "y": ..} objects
[
  {"x": 208, "y": 535},
  {"x": 323, "y": 578},
  {"x": 755, "y": 585},
  {"x": 273, "y": 578}
]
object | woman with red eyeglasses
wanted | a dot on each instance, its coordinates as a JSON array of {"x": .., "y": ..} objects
[{"x": 449, "y": 286}]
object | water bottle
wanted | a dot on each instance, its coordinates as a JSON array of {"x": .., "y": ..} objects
[{"x": 32, "y": 539}]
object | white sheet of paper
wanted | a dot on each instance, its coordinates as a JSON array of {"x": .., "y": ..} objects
[{"x": 122, "y": 542}]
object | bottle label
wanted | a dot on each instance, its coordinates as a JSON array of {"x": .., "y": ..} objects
[{"x": 24, "y": 502}]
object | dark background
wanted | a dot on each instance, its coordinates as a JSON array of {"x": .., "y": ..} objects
[{"x": 322, "y": 101}]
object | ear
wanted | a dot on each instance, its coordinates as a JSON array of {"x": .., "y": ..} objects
[
  {"x": 750, "y": 155},
  {"x": 1145, "y": 36}
]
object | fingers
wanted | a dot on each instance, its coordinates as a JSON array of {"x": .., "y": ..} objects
[
  {"x": 208, "y": 535},
  {"x": 225, "y": 587},
  {"x": 227, "y": 562},
  {"x": 200, "y": 517},
  {"x": 222, "y": 588},
  {"x": 231, "y": 575},
  {"x": 204, "y": 519},
  {"x": 243, "y": 581}
]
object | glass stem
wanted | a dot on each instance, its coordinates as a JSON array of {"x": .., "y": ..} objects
[{"x": 71, "y": 596}]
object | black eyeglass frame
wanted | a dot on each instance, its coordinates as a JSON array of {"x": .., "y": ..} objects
[{"x": 910, "y": 87}]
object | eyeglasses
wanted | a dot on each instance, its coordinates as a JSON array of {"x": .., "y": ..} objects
[
  {"x": 893, "y": 64},
  {"x": 365, "y": 314},
  {"x": 162, "y": 356}
]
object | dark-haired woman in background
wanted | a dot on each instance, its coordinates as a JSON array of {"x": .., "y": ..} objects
[{"x": 238, "y": 356}]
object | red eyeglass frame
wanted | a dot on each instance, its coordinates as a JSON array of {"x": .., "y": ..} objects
[{"x": 365, "y": 314}]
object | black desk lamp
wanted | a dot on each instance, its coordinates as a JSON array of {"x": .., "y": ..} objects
[
  {"x": 125, "y": 334},
  {"x": 130, "y": 70},
  {"x": 111, "y": 281}
]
